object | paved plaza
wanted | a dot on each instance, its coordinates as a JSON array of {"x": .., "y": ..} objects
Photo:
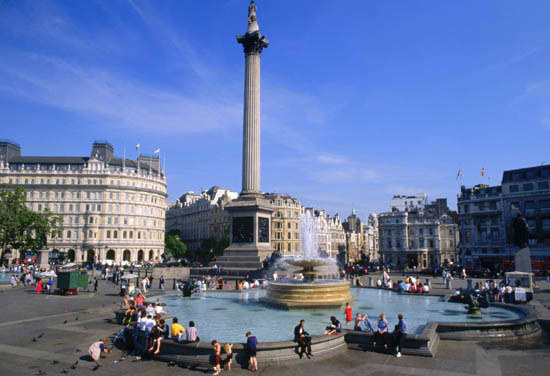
[{"x": 64, "y": 327}]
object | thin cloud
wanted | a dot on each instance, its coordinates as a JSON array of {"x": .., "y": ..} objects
[
  {"x": 125, "y": 102},
  {"x": 512, "y": 60},
  {"x": 331, "y": 159}
]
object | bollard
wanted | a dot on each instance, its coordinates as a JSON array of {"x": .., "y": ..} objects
[
  {"x": 449, "y": 284},
  {"x": 370, "y": 282},
  {"x": 174, "y": 286},
  {"x": 429, "y": 283},
  {"x": 470, "y": 284}
]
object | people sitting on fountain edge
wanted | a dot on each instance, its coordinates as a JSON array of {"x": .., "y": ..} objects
[
  {"x": 381, "y": 334},
  {"x": 177, "y": 330},
  {"x": 335, "y": 327},
  {"x": 362, "y": 321},
  {"x": 304, "y": 340}
]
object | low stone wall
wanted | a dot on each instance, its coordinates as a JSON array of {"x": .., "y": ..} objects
[
  {"x": 171, "y": 273},
  {"x": 200, "y": 354},
  {"x": 522, "y": 328},
  {"x": 424, "y": 344}
]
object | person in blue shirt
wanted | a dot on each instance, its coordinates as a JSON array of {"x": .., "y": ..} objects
[
  {"x": 400, "y": 332},
  {"x": 251, "y": 344},
  {"x": 380, "y": 336}
]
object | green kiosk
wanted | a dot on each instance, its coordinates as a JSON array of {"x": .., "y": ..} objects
[{"x": 68, "y": 282}]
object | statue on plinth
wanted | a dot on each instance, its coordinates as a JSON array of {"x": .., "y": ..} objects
[
  {"x": 521, "y": 232},
  {"x": 252, "y": 20}
]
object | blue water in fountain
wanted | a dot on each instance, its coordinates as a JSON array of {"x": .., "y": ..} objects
[{"x": 227, "y": 316}]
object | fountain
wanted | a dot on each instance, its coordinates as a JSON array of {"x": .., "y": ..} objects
[{"x": 309, "y": 293}]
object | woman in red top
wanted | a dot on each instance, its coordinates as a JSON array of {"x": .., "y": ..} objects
[
  {"x": 347, "y": 312},
  {"x": 139, "y": 300},
  {"x": 39, "y": 288}
]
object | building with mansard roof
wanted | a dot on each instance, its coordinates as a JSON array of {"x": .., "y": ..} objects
[{"x": 112, "y": 209}]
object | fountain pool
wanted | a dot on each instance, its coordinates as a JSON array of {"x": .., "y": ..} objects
[{"x": 227, "y": 316}]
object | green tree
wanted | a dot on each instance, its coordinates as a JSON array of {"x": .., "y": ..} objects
[
  {"x": 175, "y": 245},
  {"x": 21, "y": 228}
]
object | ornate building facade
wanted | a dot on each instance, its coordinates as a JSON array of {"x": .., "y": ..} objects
[
  {"x": 417, "y": 239},
  {"x": 285, "y": 224},
  {"x": 355, "y": 242},
  {"x": 370, "y": 233},
  {"x": 200, "y": 217},
  {"x": 111, "y": 209}
]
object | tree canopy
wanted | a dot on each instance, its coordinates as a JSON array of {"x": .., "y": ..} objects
[
  {"x": 175, "y": 245},
  {"x": 20, "y": 227}
]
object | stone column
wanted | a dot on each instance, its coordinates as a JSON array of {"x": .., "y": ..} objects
[
  {"x": 253, "y": 43},
  {"x": 251, "y": 125}
]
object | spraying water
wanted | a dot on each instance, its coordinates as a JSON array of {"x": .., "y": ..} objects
[{"x": 308, "y": 228}]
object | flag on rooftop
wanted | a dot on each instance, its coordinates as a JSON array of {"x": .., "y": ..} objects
[
  {"x": 157, "y": 151},
  {"x": 459, "y": 173},
  {"x": 138, "y": 146},
  {"x": 483, "y": 171}
]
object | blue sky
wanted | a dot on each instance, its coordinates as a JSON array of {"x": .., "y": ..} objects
[{"x": 361, "y": 100}]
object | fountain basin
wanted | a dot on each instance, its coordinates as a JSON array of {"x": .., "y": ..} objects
[{"x": 299, "y": 296}]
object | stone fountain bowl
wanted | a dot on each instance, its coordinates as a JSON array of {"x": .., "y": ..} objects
[{"x": 308, "y": 264}]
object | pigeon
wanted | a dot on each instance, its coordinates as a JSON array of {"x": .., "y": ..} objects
[
  {"x": 55, "y": 361},
  {"x": 64, "y": 322},
  {"x": 76, "y": 318},
  {"x": 77, "y": 350},
  {"x": 171, "y": 364},
  {"x": 41, "y": 335},
  {"x": 64, "y": 371},
  {"x": 97, "y": 365},
  {"x": 34, "y": 339},
  {"x": 74, "y": 365}
]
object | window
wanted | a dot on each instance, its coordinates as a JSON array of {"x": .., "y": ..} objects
[
  {"x": 421, "y": 242},
  {"x": 115, "y": 234},
  {"x": 513, "y": 188},
  {"x": 543, "y": 185},
  {"x": 528, "y": 187},
  {"x": 431, "y": 243},
  {"x": 124, "y": 234}
]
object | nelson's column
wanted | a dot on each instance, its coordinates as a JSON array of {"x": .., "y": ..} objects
[{"x": 251, "y": 212}]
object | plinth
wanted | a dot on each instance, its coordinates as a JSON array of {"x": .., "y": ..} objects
[{"x": 250, "y": 234}]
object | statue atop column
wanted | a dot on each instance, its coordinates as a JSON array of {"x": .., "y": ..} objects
[
  {"x": 252, "y": 20},
  {"x": 252, "y": 41}
]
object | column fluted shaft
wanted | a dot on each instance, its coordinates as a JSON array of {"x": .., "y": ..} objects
[{"x": 251, "y": 125}]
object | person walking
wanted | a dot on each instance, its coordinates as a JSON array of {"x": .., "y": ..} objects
[
  {"x": 96, "y": 282},
  {"x": 400, "y": 333},
  {"x": 303, "y": 338},
  {"x": 144, "y": 284},
  {"x": 161, "y": 282},
  {"x": 251, "y": 347}
]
